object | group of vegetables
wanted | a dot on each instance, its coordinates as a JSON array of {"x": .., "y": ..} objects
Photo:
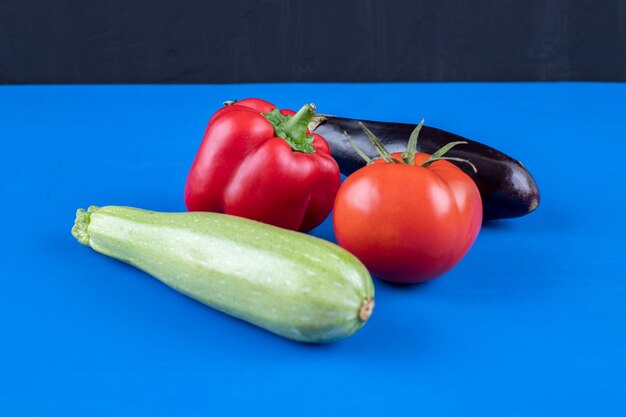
[{"x": 262, "y": 177}]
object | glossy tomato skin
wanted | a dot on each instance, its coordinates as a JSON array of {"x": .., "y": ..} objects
[{"x": 408, "y": 223}]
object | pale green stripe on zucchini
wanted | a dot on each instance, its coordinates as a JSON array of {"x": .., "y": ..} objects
[{"x": 290, "y": 283}]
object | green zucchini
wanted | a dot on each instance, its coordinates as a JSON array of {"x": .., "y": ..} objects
[{"x": 289, "y": 283}]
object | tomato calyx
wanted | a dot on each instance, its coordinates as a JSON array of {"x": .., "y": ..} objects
[{"x": 408, "y": 156}]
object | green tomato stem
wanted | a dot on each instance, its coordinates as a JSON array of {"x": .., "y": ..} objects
[
  {"x": 439, "y": 155},
  {"x": 380, "y": 148},
  {"x": 366, "y": 158},
  {"x": 409, "y": 155}
]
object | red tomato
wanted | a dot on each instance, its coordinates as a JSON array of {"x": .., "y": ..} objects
[{"x": 408, "y": 223}]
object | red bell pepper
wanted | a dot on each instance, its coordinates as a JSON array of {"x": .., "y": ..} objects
[{"x": 263, "y": 164}]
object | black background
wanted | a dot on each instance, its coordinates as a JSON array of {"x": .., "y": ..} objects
[{"x": 194, "y": 41}]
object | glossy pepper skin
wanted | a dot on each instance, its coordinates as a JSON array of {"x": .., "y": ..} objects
[{"x": 256, "y": 163}]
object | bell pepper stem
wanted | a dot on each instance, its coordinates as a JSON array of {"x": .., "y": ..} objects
[
  {"x": 301, "y": 118},
  {"x": 294, "y": 128}
]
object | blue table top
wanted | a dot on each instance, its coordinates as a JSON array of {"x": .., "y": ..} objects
[{"x": 531, "y": 322}]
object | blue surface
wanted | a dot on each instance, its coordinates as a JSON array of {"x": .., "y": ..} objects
[{"x": 531, "y": 322}]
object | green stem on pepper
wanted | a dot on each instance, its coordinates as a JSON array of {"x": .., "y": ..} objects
[{"x": 293, "y": 129}]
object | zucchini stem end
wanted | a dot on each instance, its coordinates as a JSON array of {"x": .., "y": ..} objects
[
  {"x": 366, "y": 309},
  {"x": 81, "y": 224}
]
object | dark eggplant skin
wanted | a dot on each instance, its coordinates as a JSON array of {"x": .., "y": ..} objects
[{"x": 506, "y": 187}]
